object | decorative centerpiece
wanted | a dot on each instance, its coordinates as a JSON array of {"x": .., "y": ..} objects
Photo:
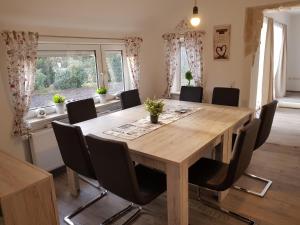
[
  {"x": 102, "y": 91},
  {"x": 155, "y": 107},
  {"x": 189, "y": 77},
  {"x": 59, "y": 101}
]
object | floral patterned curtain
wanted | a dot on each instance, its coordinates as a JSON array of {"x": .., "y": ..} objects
[
  {"x": 21, "y": 54},
  {"x": 194, "y": 51},
  {"x": 172, "y": 48},
  {"x": 133, "y": 45}
]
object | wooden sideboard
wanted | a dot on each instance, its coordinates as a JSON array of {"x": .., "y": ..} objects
[{"x": 27, "y": 195}]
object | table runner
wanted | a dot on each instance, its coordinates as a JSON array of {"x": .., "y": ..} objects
[{"x": 143, "y": 126}]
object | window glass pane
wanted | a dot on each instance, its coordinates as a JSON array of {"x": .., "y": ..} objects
[
  {"x": 184, "y": 67},
  {"x": 72, "y": 74},
  {"x": 115, "y": 73}
]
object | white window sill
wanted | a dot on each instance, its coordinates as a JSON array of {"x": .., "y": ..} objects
[{"x": 40, "y": 123}]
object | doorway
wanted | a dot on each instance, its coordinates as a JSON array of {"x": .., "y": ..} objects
[{"x": 279, "y": 53}]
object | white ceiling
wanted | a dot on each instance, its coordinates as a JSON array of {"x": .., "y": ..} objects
[{"x": 125, "y": 15}]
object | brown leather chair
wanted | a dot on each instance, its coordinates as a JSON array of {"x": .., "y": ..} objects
[
  {"x": 218, "y": 176},
  {"x": 266, "y": 116},
  {"x": 191, "y": 94},
  {"x": 117, "y": 173},
  {"x": 130, "y": 99},
  {"x": 226, "y": 96},
  {"x": 81, "y": 110}
]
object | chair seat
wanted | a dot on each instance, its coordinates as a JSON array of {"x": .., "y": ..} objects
[
  {"x": 209, "y": 173},
  {"x": 152, "y": 183}
]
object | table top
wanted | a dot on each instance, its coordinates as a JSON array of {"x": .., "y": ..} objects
[
  {"x": 16, "y": 174},
  {"x": 174, "y": 142}
]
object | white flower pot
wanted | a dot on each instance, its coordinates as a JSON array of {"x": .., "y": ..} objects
[
  {"x": 60, "y": 108},
  {"x": 103, "y": 98}
]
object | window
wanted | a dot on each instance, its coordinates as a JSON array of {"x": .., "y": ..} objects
[
  {"x": 179, "y": 79},
  {"x": 72, "y": 74},
  {"x": 113, "y": 63},
  {"x": 77, "y": 70}
]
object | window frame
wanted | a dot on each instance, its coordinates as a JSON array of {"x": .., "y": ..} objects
[
  {"x": 85, "y": 44},
  {"x": 117, "y": 47}
]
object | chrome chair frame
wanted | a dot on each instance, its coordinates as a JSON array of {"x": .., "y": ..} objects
[
  {"x": 259, "y": 194},
  {"x": 230, "y": 213},
  {"x": 111, "y": 219}
]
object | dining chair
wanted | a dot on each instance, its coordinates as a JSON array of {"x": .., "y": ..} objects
[
  {"x": 119, "y": 175},
  {"x": 217, "y": 176},
  {"x": 75, "y": 155},
  {"x": 266, "y": 116},
  {"x": 226, "y": 96},
  {"x": 130, "y": 99},
  {"x": 81, "y": 110},
  {"x": 191, "y": 94}
]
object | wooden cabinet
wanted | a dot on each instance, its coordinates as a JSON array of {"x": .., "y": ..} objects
[{"x": 27, "y": 195}]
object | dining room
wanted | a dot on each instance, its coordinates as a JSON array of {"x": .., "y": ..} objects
[{"x": 145, "y": 113}]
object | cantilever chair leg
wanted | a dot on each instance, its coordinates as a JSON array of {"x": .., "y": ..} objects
[
  {"x": 259, "y": 194},
  {"x": 226, "y": 211},
  {"x": 68, "y": 218},
  {"x": 124, "y": 211}
]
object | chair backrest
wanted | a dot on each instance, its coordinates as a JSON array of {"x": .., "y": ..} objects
[
  {"x": 130, "y": 99},
  {"x": 81, "y": 110},
  {"x": 191, "y": 94},
  {"x": 243, "y": 150},
  {"x": 226, "y": 96},
  {"x": 113, "y": 167},
  {"x": 266, "y": 117},
  {"x": 73, "y": 148}
]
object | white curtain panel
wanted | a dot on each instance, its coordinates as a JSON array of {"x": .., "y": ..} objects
[
  {"x": 133, "y": 46},
  {"x": 281, "y": 70},
  {"x": 194, "y": 49},
  {"x": 21, "y": 55},
  {"x": 268, "y": 75},
  {"x": 172, "y": 50}
]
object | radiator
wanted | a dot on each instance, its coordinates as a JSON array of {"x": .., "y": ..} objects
[{"x": 44, "y": 150}]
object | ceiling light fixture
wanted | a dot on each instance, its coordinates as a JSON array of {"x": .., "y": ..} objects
[{"x": 195, "y": 20}]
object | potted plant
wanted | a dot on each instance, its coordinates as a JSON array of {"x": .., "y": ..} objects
[
  {"x": 59, "y": 101},
  {"x": 189, "y": 77},
  {"x": 155, "y": 107},
  {"x": 102, "y": 91}
]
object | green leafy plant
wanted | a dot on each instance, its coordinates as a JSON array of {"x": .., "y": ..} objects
[
  {"x": 189, "y": 77},
  {"x": 58, "y": 99},
  {"x": 102, "y": 90},
  {"x": 154, "y": 106}
]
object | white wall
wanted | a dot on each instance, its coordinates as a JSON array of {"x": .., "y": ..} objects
[
  {"x": 149, "y": 19},
  {"x": 293, "y": 73}
]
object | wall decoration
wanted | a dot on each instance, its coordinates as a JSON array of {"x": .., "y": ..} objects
[{"x": 222, "y": 42}]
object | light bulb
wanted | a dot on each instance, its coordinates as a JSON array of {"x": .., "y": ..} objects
[{"x": 195, "y": 20}]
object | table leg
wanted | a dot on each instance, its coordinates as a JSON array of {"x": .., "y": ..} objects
[
  {"x": 177, "y": 194},
  {"x": 73, "y": 182},
  {"x": 226, "y": 156}
]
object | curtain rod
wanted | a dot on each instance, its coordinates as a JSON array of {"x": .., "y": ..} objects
[{"x": 61, "y": 36}]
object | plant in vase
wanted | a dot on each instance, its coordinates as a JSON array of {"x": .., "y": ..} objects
[
  {"x": 189, "y": 77},
  {"x": 155, "y": 107},
  {"x": 102, "y": 94},
  {"x": 59, "y": 101}
]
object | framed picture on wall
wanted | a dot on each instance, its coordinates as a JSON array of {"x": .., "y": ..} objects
[{"x": 222, "y": 42}]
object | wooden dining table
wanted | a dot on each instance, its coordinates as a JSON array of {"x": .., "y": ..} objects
[{"x": 174, "y": 147}]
